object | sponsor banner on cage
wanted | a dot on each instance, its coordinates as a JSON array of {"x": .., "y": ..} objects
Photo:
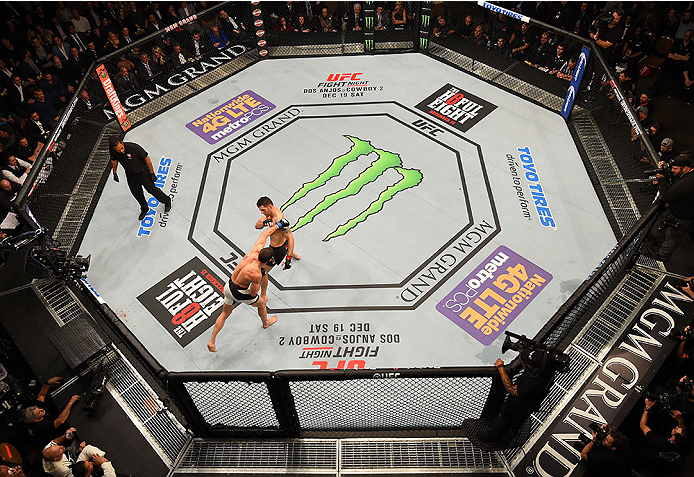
[
  {"x": 112, "y": 96},
  {"x": 187, "y": 301},
  {"x": 457, "y": 107},
  {"x": 230, "y": 116},
  {"x": 575, "y": 82},
  {"x": 614, "y": 386},
  {"x": 486, "y": 302}
]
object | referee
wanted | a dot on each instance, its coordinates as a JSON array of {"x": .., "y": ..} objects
[{"x": 138, "y": 172}]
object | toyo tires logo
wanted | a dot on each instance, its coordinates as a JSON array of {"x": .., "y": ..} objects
[{"x": 386, "y": 161}]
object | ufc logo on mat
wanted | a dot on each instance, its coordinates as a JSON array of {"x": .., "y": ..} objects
[
  {"x": 386, "y": 161},
  {"x": 344, "y": 77}
]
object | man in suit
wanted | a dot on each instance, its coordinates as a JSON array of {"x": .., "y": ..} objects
[
  {"x": 179, "y": 55},
  {"x": 153, "y": 24},
  {"x": 185, "y": 10},
  {"x": 36, "y": 129},
  {"x": 126, "y": 83},
  {"x": 200, "y": 45},
  {"x": 61, "y": 48},
  {"x": 63, "y": 71},
  {"x": 76, "y": 38},
  {"x": 145, "y": 68},
  {"x": 28, "y": 69},
  {"x": 355, "y": 22},
  {"x": 235, "y": 30},
  {"x": 77, "y": 62},
  {"x": 382, "y": 19},
  {"x": 18, "y": 97}
]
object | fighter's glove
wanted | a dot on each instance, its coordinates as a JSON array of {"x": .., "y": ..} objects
[
  {"x": 288, "y": 262},
  {"x": 115, "y": 177},
  {"x": 282, "y": 223},
  {"x": 267, "y": 223},
  {"x": 153, "y": 176}
]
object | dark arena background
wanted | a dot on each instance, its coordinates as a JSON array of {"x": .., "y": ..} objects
[{"x": 451, "y": 204}]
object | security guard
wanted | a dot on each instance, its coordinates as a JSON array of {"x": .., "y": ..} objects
[{"x": 139, "y": 173}]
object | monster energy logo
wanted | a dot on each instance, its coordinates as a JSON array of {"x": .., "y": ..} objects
[
  {"x": 423, "y": 42},
  {"x": 386, "y": 160},
  {"x": 369, "y": 45},
  {"x": 369, "y": 22},
  {"x": 425, "y": 21}
]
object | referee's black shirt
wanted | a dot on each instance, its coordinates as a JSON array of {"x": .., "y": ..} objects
[{"x": 133, "y": 159}]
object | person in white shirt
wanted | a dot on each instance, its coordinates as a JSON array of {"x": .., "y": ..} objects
[
  {"x": 58, "y": 462},
  {"x": 81, "y": 23},
  {"x": 16, "y": 170}
]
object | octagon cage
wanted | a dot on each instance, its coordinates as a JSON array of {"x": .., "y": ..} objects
[{"x": 61, "y": 193}]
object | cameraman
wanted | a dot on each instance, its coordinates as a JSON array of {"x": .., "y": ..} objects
[
  {"x": 677, "y": 193},
  {"x": 609, "y": 454},
  {"x": 657, "y": 449},
  {"x": 609, "y": 34},
  {"x": 524, "y": 397}
]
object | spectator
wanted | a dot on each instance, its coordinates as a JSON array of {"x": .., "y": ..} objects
[
  {"x": 501, "y": 46},
  {"x": 674, "y": 64},
  {"x": 65, "y": 73},
  {"x": 355, "y": 21},
  {"x": 61, "y": 48},
  {"x": 541, "y": 54},
  {"x": 478, "y": 37},
  {"x": 80, "y": 23},
  {"x": 670, "y": 24},
  {"x": 152, "y": 24},
  {"x": 159, "y": 58},
  {"x": 200, "y": 45},
  {"x": 654, "y": 134},
  {"x": 113, "y": 43},
  {"x": 301, "y": 25},
  {"x": 58, "y": 29},
  {"x": 91, "y": 15},
  {"x": 171, "y": 15},
  {"x": 125, "y": 36},
  {"x": 651, "y": 18},
  {"x": 77, "y": 62},
  {"x": 635, "y": 49},
  {"x": 561, "y": 15},
  {"x": 18, "y": 98},
  {"x": 685, "y": 24},
  {"x": 77, "y": 39},
  {"x": 521, "y": 41},
  {"x": 41, "y": 425},
  {"x": 15, "y": 471},
  {"x": 382, "y": 20},
  {"x": 106, "y": 27},
  {"x": 62, "y": 12},
  {"x": 283, "y": 26},
  {"x": 442, "y": 30},
  {"x": 154, "y": 8},
  {"x": 685, "y": 91},
  {"x": 36, "y": 129},
  {"x": 9, "y": 53},
  {"x": 327, "y": 23},
  {"x": 566, "y": 72},
  {"x": 85, "y": 468},
  {"x": 7, "y": 139},
  {"x": 125, "y": 83},
  {"x": 6, "y": 73},
  {"x": 399, "y": 16},
  {"x": 218, "y": 38},
  {"x": 583, "y": 19},
  {"x": 500, "y": 27},
  {"x": 136, "y": 19},
  {"x": 40, "y": 56},
  {"x": 185, "y": 10},
  {"x": 643, "y": 108},
  {"x": 467, "y": 28},
  {"x": 666, "y": 152},
  {"x": 93, "y": 52},
  {"x": 84, "y": 103},
  {"x": 6, "y": 198},
  {"x": 28, "y": 69},
  {"x": 27, "y": 150},
  {"x": 558, "y": 61},
  {"x": 234, "y": 29},
  {"x": 46, "y": 108},
  {"x": 180, "y": 56},
  {"x": 145, "y": 68}
]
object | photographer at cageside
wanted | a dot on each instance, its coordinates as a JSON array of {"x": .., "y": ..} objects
[
  {"x": 676, "y": 191},
  {"x": 607, "y": 453},
  {"x": 667, "y": 446}
]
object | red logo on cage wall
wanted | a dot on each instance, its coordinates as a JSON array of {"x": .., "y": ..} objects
[
  {"x": 258, "y": 22},
  {"x": 263, "y": 52},
  {"x": 344, "y": 77},
  {"x": 262, "y": 43},
  {"x": 187, "y": 301},
  {"x": 255, "y": 2},
  {"x": 260, "y": 32},
  {"x": 256, "y": 12}
]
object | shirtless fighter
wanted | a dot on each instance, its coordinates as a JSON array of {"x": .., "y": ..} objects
[
  {"x": 244, "y": 284},
  {"x": 282, "y": 241}
]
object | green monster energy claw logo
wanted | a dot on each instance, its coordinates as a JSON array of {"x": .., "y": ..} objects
[
  {"x": 425, "y": 21},
  {"x": 423, "y": 42},
  {"x": 369, "y": 22},
  {"x": 369, "y": 45},
  {"x": 386, "y": 160}
]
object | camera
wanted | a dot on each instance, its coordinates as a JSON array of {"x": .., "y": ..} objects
[
  {"x": 665, "y": 171},
  {"x": 42, "y": 262},
  {"x": 664, "y": 401},
  {"x": 601, "y": 433},
  {"x": 681, "y": 283},
  {"x": 553, "y": 359},
  {"x": 601, "y": 22},
  {"x": 681, "y": 334}
]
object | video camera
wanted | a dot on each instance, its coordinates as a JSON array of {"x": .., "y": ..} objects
[
  {"x": 552, "y": 358},
  {"x": 684, "y": 334},
  {"x": 601, "y": 21},
  {"x": 665, "y": 171},
  {"x": 46, "y": 262},
  {"x": 96, "y": 388},
  {"x": 668, "y": 401},
  {"x": 601, "y": 432}
]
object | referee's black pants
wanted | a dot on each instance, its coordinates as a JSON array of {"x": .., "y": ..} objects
[{"x": 142, "y": 179}]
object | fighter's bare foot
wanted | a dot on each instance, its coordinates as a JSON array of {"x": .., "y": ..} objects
[
  {"x": 211, "y": 347},
  {"x": 270, "y": 322},
  {"x": 296, "y": 256}
]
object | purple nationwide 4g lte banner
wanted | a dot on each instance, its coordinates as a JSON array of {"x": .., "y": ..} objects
[
  {"x": 494, "y": 294},
  {"x": 230, "y": 116}
]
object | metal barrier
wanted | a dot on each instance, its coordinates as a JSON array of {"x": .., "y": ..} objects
[{"x": 65, "y": 184}]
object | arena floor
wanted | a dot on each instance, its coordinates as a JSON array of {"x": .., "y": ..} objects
[{"x": 432, "y": 212}]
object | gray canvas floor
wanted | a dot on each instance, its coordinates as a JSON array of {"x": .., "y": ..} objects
[{"x": 381, "y": 293}]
